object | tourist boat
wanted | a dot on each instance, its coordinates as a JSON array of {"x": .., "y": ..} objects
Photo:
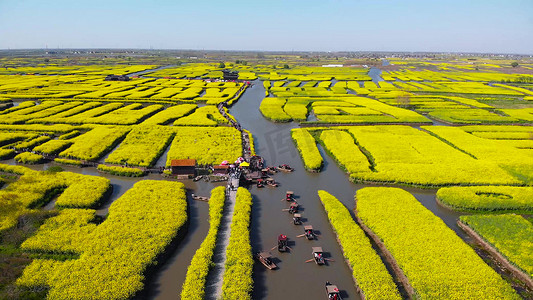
[
  {"x": 271, "y": 182},
  {"x": 332, "y": 292},
  {"x": 266, "y": 259},
  {"x": 309, "y": 232},
  {"x": 318, "y": 255},
  {"x": 260, "y": 183},
  {"x": 282, "y": 243},
  {"x": 297, "y": 219},
  {"x": 200, "y": 198},
  {"x": 289, "y": 196},
  {"x": 285, "y": 168},
  {"x": 294, "y": 208}
]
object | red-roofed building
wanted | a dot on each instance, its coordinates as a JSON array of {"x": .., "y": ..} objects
[{"x": 183, "y": 167}]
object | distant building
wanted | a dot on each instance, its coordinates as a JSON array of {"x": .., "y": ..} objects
[
  {"x": 183, "y": 167},
  {"x": 116, "y": 78},
  {"x": 230, "y": 75},
  {"x": 332, "y": 66}
]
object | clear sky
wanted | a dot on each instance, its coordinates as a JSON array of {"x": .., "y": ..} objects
[{"x": 504, "y": 26}]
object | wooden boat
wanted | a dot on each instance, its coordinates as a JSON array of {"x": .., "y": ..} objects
[
  {"x": 332, "y": 292},
  {"x": 271, "y": 182},
  {"x": 294, "y": 208},
  {"x": 266, "y": 259},
  {"x": 318, "y": 255},
  {"x": 285, "y": 168},
  {"x": 260, "y": 183},
  {"x": 289, "y": 196},
  {"x": 199, "y": 198},
  {"x": 309, "y": 232},
  {"x": 282, "y": 243},
  {"x": 297, "y": 219}
]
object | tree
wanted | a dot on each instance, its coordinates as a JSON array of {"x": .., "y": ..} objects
[
  {"x": 286, "y": 66},
  {"x": 403, "y": 100},
  {"x": 221, "y": 65},
  {"x": 514, "y": 64}
]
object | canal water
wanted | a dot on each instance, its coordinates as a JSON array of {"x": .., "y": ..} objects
[{"x": 295, "y": 278}]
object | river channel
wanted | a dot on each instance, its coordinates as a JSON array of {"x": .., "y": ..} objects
[{"x": 295, "y": 279}]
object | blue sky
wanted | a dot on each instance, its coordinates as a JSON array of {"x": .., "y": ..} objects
[{"x": 504, "y": 26}]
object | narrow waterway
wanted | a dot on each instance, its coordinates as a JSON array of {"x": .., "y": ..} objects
[{"x": 295, "y": 278}]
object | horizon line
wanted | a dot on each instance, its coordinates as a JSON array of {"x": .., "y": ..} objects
[{"x": 271, "y": 51}]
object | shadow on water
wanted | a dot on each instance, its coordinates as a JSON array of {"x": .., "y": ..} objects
[
  {"x": 260, "y": 291},
  {"x": 168, "y": 280}
]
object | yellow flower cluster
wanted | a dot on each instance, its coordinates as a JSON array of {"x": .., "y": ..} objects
[
  {"x": 142, "y": 146},
  {"x": 140, "y": 225},
  {"x": 370, "y": 273},
  {"x": 203, "y": 116},
  {"x": 341, "y": 146},
  {"x": 237, "y": 280},
  {"x": 511, "y": 235},
  {"x": 53, "y": 146},
  {"x": 208, "y": 145},
  {"x": 438, "y": 264},
  {"x": 95, "y": 143},
  {"x": 201, "y": 263},
  {"x": 121, "y": 171},
  {"x": 29, "y": 158},
  {"x": 487, "y": 198},
  {"x": 34, "y": 189},
  {"x": 306, "y": 145},
  {"x": 272, "y": 109},
  {"x": 170, "y": 114}
]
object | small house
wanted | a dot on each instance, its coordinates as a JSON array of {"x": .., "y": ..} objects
[
  {"x": 230, "y": 75},
  {"x": 183, "y": 167},
  {"x": 221, "y": 170},
  {"x": 117, "y": 78}
]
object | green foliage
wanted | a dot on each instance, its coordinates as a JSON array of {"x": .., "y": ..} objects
[
  {"x": 438, "y": 264},
  {"x": 487, "y": 198},
  {"x": 237, "y": 280},
  {"x": 306, "y": 145},
  {"x": 121, "y": 171},
  {"x": 370, "y": 274},
  {"x": 201, "y": 263},
  {"x": 511, "y": 235}
]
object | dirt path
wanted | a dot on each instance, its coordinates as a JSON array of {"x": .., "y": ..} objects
[
  {"x": 398, "y": 273},
  {"x": 521, "y": 275}
]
